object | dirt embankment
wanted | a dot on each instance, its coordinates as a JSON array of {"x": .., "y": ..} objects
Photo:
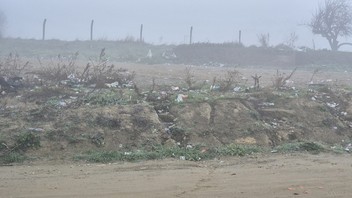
[{"x": 266, "y": 118}]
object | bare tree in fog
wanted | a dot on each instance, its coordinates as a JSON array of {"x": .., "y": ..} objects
[
  {"x": 2, "y": 23},
  {"x": 333, "y": 20},
  {"x": 264, "y": 40}
]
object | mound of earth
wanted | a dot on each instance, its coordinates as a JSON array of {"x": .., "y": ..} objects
[{"x": 266, "y": 118}]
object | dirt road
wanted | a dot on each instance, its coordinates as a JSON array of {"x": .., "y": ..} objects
[{"x": 299, "y": 175}]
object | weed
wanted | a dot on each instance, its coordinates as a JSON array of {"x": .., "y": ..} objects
[
  {"x": 231, "y": 78},
  {"x": 104, "y": 98},
  {"x": 238, "y": 150},
  {"x": 14, "y": 153},
  {"x": 12, "y": 66},
  {"x": 108, "y": 121},
  {"x": 189, "y": 78},
  {"x": 102, "y": 72},
  {"x": 26, "y": 141},
  {"x": 311, "y": 147},
  {"x": 280, "y": 79},
  {"x": 140, "y": 121},
  {"x": 160, "y": 152},
  {"x": 58, "y": 70},
  {"x": 12, "y": 157}
]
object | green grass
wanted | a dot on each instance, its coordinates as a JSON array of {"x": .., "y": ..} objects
[
  {"x": 12, "y": 157},
  {"x": 311, "y": 147},
  {"x": 198, "y": 154},
  {"x": 239, "y": 150},
  {"x": 159, "y": 152}
]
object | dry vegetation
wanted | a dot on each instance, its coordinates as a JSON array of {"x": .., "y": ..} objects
[{"x": 100, "y": 107}]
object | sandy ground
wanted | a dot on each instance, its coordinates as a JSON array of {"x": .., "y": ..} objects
[{"x": 294, "y": 175}]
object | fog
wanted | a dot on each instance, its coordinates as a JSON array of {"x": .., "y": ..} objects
[{"x": 165, "y": 21}]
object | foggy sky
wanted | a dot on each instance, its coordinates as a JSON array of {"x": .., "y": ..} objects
[{"x": 165, "y": 21}]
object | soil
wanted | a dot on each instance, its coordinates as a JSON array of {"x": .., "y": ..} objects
[
  {"x": 266, "y": 118},
  {"x": 294, "y": 175}
]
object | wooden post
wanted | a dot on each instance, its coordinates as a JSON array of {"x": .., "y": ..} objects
[
  {"x": 44, "y": 24},
  {"x": 141, "y": 34},
  {"x": 91, "y": 30},
  {"x": 190, "y": 35},
  {"x": 240, "y": 37}
]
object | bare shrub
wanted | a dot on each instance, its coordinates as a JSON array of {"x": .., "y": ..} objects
[
  {"x": 12, "y": 69},
  {"x": 189, "y": 77},
  {"x": 264, "y": 40},
  {"x": 256, "y": 81},
  {"x": 228, "y": 81},
  {"x": 59, "y": 69},
  {"x": 291, "y": 40},
  {"x": 102, "y": 72},
  {"x": 280, "y": 79},
  {"x": 13, "y": 66},
  {"x": 315, "y": 72}
]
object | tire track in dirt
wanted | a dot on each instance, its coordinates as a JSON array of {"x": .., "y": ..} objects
[{"x": 201, "y": 184}]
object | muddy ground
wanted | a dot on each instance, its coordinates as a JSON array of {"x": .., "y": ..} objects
[{"x": 294, "y": 175}]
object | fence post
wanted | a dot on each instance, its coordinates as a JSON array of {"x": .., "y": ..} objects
[
  {"x": 141, "y": 33},
  {"x": 190, "y": 35},
  {"x": 91, "y": 30},
  {"x": 44, "y": 24},
  {"x": 240, "y": 37}
]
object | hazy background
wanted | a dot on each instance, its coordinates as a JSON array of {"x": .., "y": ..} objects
[{"x": 165, "y": 21}]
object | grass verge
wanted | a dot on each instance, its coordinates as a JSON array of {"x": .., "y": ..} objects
[{"x": 159, "y": 152}]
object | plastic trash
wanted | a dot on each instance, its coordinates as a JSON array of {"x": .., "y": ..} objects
[{"x": 181, "y": 97}]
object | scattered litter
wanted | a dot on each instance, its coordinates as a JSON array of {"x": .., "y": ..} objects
[
  {"x": 204, "y": 150},
  {"x": 313, "y": 98},
  {"x": 150, "y": 54},
  {"x": 62, "y": 104},
  {"x": 127, "y": 153},
  {"x": 35, "y": 129},
  {"x": 112, "y": 85},
  {"x": 175, "y": 88},
  {"x": 189, "y": 146},
  {"x": 182, "y": 158},
  {"x": 274, "y": 151},
  {"x": 181, "y": 97},
  {"x": 237, "y": 89},
  {"x": 332, "y": 105},
  {"x": 73, "y": 78},
  {"x": 214, "y": 87},
  {"x": 344, "y": 113},
  {"x": 348, "y": 147},
  {"x": 267, "y": 104}
]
